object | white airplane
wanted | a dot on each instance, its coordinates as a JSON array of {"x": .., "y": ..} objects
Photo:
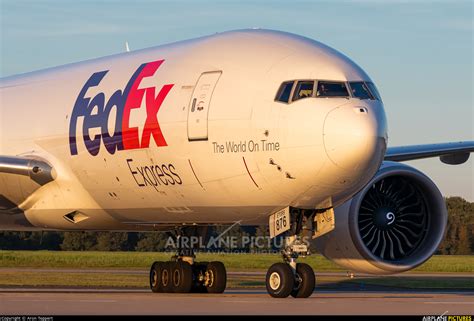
[{"x": 255, "y": 126}]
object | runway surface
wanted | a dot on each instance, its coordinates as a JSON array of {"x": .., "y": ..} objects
[{"x": 137, "y": 302}]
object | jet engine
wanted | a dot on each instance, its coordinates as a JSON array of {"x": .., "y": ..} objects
[{"x": 392, "y": 225}]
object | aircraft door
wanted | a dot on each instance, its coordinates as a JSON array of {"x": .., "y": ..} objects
[{"x": 198, "y": 110}]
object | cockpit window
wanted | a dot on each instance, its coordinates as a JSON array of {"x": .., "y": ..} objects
[
  {"x": 284, "y": 92},
  {"x": 374, "y": 90},
  {"x": 331, "y": 89},
  {"x": 360, "y": 90},
  {"x": 304, "y": 89}
]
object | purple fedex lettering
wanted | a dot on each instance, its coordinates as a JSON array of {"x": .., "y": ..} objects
[{"x": 85, "y": 106}]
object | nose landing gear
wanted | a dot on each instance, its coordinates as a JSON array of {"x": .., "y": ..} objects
[
  {"x": 288, "y": 277},
  {"x": 291, "y": 278}
]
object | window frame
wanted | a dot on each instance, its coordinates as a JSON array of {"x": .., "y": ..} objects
[
  {"x": 372, "y": 97},
  {"x": 377, "y": 95},
  {"x": 332, "y": 81},
  {"x": 316, "y": 82},
  {"x": 293, "y": 86}
]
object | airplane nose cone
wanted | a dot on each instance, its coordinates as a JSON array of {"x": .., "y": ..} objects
[{"x": 355, "y": 137}]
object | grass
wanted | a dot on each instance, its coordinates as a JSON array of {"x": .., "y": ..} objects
[
  {"x": 138, "y": 260},
  {"x": 233, "y": 262},
  {"x": 42, "y": 279}
]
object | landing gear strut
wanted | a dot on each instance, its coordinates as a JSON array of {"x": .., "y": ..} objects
[
  {"x": 289, "y": 277},
  {"x": 183, "y": 275}
]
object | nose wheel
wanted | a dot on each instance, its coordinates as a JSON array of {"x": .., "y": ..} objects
[
  {"x": 281, "y": 281},
  {"x": 305, "y": 281},
  {"x": 288, "y": 277}
]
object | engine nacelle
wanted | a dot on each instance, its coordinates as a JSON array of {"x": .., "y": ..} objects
[{"x": 392, "y": 225}]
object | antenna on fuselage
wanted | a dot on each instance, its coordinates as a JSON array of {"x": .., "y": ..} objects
[{"x": 127, "y": 48}]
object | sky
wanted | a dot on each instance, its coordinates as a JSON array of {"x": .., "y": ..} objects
[{"x": 419, "y": 53}]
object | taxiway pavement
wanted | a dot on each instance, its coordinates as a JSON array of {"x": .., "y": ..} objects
[{"x": 24, "y": 301}]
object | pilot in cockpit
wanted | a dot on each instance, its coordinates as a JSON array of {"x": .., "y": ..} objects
[{"x": 322, "y": 91}]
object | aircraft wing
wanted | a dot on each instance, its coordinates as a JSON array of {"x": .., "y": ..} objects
[
  {"x": 449, "y": 153},
  {"x": 20, "y": 177}
]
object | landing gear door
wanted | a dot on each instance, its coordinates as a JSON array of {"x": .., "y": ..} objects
[
  {"x": 324, "y": 222},
  {"x": 198, "y": 110}
]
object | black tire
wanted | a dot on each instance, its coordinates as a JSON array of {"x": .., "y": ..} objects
[
  {"x": 155, "y": 275},
  {"x": 279, "y": 280},
  {"x": 166, "y": 281},
  {"x": 305, "y": 287},
  {"x": 217, "y": 277},
  {"x": 199, "y": 268},
  {"x": 181, "y": 277}
]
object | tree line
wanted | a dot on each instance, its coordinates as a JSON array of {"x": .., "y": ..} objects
[{"x": 459, "y": 239}]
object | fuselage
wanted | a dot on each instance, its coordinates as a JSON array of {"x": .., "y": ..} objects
[{"x": 193, "y": 133}]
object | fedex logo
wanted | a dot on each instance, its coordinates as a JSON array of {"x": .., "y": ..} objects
[{"x": 96, "y": 112}]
